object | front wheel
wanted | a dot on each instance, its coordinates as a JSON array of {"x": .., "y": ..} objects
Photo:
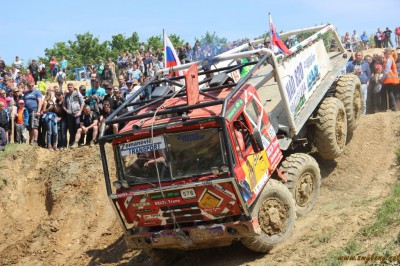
[{"x": 275, "y": 211}]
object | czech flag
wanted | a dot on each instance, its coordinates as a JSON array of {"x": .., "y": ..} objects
[
  {"x": 171, "y": 57},
  {"x": 276, "y": 43}
]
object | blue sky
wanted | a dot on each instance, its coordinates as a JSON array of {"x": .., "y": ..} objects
[{"x": 28, "y": 27}]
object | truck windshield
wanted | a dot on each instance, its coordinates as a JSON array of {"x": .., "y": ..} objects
[{"x": 176, "y": 156}]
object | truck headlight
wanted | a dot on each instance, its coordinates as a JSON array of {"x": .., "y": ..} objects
[
  {"x": 124, "y": 184},
  {"x": 117, "y": 184},
  {"x": 225, "y": 168},
  {"x": 215, "y": 170}
]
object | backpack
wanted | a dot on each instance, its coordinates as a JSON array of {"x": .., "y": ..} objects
[{"x": 60, "y": 78}]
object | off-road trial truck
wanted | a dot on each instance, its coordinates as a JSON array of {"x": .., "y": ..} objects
[{"x": 214, "y": 157}]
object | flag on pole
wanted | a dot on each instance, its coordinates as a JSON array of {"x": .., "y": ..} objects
[
  {"x": 276, "y": 42},
  {"x": 171, "y": 57}
]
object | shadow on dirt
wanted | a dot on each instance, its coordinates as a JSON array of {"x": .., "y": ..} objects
[
  {"x": 235, "y": 254},
  {"x": 112, "y": 254},
  {"x": 327, "y": 166}
]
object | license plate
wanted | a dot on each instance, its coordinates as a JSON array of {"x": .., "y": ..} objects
[{"x": 188, "y": 193}]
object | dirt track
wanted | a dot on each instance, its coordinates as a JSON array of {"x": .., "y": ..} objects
[{"x": 54, "y": 210}]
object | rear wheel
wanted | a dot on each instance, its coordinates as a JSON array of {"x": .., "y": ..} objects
[
  {"x": 275, "y": 210},
  {"x": 303, "y": 181},
  {"x": 348, "y": 90},
  {"x": 331, "y": 129}
]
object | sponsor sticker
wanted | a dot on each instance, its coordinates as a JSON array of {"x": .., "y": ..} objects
[
  {"x": 209, "y": 200},
  {"x": 143, "y": 145}
]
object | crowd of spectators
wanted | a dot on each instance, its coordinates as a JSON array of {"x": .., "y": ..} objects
[
  {"x": 43, "y": 115},
  {"x": 380, "y": 39}
]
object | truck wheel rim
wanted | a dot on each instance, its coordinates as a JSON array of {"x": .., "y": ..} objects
[
  {"x": 272, "y": 216},
  {"x": 304, "y": 189},
  {"x": 340, "y": 129}
]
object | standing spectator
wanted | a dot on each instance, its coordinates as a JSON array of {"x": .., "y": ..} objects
[
  {"x": 33, "y": 102},
  {"x": 62, "y": 123},
  {"x": 4, "y": 119},
  {"x": 17, "y": 63},
  {"x": 42, "y": 70},
  {"x": 88, "y": 127},
  {"x": 111, "y": 65},
  {"x": 16, "y": 94},
  {"x": 3, "y": 97},
  {"x": 378, "y": 38},
  {"x": 148, "y": 64},
  {"x": 95, "y": 96},
  {"x": 106, "y": 75},
  {"x": 3, "y": 140},
  {"x": 64, "y": 64},
  {"x": 389, "y": 80},
  {"x": 34, "y": 69},
  {"x": 109, "y": 129},
  {"x": 121, "y": 62},
  {"x": 73, "y": 106},
  {"x": 117, "y": 98},
  {"x": 388, "y": 38},
  {"x": 100, "y": 69},
  {"x": 61, "y": 78},
  {"x": 50, "y": 120},
  {"x": 22, "y": 122},
  {"x": 361, "y": 68},
  {"x": 2, "y": 66},
  {"x": 82, "y": 90},
  {"x": 355, "y": 40},
  {"x": 364, "y": 40},
  {"x": 123, "y": 88},
  {"x": 109, "y": 95},
  {"x": 376, "y": 87},
  {"x": 397, "y": 33},
  {"x": 28, "y": 77},
  {"x": 94, "y": 76},
  {"x": 53, "y": 68}
]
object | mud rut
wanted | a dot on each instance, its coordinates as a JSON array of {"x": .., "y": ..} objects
[{"x": 61, "y": 215}]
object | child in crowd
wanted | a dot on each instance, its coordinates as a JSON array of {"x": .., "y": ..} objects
[
  {"x": 377, "y": 86},
  {"x": 22, "y": 121}
]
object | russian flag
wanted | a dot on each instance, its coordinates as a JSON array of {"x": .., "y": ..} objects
[
  {"x": 276, "y": 43},
  {"x": 171, "y": 57}
]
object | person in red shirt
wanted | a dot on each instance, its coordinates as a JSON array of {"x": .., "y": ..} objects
[
  {"x": 29, "y": 77},
  {"x": 53, "y": 68}
]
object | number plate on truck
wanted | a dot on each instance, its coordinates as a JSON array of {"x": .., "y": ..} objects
[{"x": 188, "y": 193}]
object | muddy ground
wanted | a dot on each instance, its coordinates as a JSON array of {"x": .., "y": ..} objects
[{"x": 54, "y": 209}]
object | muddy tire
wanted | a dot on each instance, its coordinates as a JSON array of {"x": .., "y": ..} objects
[
  {"x": 275, "y": 210},
  {"x": 331, "y": 129},
  {"x": 348, "y": 90},
  {"x": 303, "y": 181}
]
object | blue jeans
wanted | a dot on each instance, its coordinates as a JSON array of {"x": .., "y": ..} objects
[
  {"x": 62, "y": 132},
  {"x": 51, "y": 127},
  {"x": 364, "y": 95}
]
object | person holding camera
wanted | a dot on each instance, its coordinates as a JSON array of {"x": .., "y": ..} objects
[
  {"x": 95, "y": 96},
  {"x": 361, "y": 68}
]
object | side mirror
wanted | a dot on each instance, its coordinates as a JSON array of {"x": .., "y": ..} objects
[{"x": 258, "y": 139}]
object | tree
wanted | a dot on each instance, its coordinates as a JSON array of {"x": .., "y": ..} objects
[{"x": 212, "y": 38}]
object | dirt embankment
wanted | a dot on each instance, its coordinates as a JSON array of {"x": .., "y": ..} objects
[{"x": 54, "y": 209}]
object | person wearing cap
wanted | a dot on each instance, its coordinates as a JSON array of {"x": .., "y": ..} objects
[
  {"x": 21, "y": 122},
  {"x": 109, "y": 94},
  {"x": 82, "y": 90},
  {"x": 390, "y": 80},
  {"x": 361, "y": 68}
]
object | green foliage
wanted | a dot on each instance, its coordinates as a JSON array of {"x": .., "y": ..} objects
[
  {"x": 155, "y": 42},
  {"x": 211, "y": 38}
]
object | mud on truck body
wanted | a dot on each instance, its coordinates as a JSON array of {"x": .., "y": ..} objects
[{"x": 216, "y": 158}]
